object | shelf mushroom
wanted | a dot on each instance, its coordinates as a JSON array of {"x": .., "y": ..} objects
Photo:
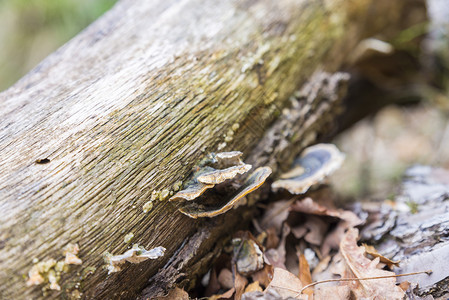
[
  {"x": 227, "y": 165},
  {"x": 134, "y": 255},
  {"x": 196, "y": 210},
  {"x": 312, "y": 167},
  {"x": 221, "y": 171}
]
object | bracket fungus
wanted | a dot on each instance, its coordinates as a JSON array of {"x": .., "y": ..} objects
[
  {"x": 134, "y": 255},
  {"x": 217, "y": 171},
  {"x": 220, "y": 205},
  {"x": 219, "y": 176},
  {"x": 312, "y": 167}
]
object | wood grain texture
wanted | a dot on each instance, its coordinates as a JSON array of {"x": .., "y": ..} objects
[{"x": 131, "y": 104}]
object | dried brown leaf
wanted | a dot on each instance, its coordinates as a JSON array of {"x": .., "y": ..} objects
[
  {"x": 405, "y": 285},
  {"x": 373, "y": 252},
  {"x": 239, "y": 284},
  {"x": 257, "y": 295},
  {"x": 285, "y": 283},
  {"x": 333, "y": 292},
  {"x": 333, "y": 239},
  {"x": 361, "y": 267},
  {"x": 272, "y": 238},
  {"x": 226, "y": 295},
  {"x": 304, "y": 273},
  {"x": 274, "y": 258},
  {"x": 322, "y": 265},
  {"x": 226, "y": 279},
  {"x": 253, "y": 287},
  {"x": 299, "y": 231},
  {"x": 308, "y": 206},
  {"x": 213, "y": 285},
  {"x": 175, "y": 293},
  {"x": 275, "y": 215},
  {"x": 277, "y": 257},
  {"x": 264, "y": 276},
  {"x": 317, "y": 230}
]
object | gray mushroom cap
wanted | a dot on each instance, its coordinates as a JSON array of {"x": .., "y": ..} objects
[
  {"x": 227, "y": 165},
  {"x": 253, "y": 182},
  {"x": 312, "y": 167}
]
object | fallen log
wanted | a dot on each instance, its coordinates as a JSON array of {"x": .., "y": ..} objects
[
  {"x": 127, "y": 108},
  {"x": 414, "y": 231}
]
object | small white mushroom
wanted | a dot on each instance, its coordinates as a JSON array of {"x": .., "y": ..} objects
[{"x": 135, "y": 255}]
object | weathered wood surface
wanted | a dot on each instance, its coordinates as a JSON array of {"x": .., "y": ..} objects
[
  {"x": 132, "y": 103},
  {"x": 415, "y": 231}
]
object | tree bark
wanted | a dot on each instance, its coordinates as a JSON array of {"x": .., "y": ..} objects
[
  {"x": 415, "y": 231},
  {"x": 135, "y": 101}
]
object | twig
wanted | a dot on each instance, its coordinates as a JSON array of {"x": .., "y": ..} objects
[{"x": 428, "y": 272}]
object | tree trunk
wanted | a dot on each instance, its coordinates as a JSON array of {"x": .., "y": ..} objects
[{"x": 135, "y": 101}]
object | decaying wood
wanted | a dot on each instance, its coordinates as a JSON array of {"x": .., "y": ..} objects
[
  {"x": 415, "y": 231},
  {"x": 135, "y": 101}
]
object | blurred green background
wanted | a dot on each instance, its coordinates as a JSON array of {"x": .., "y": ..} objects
[{"x": 32, "y": 29}]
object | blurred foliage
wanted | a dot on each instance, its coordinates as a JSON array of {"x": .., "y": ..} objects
[
  {"x": 32, "y": 29},
  {"x": 379, "y": 149}
]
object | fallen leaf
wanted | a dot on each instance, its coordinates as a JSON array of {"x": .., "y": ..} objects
[
  {"x": 317, "y": 230},
  {"x": 333, "y": 239},
  {"x": 373, "y": 252},
  {"x": 275, "y": 215},
  {"x": 304, "y": 273},
  {"x": 299, "y": 231},
  {"x": 274, "y": 258},
  {"x": 333, "y": 292},
  {"x": 264, "y": 276},
  {"x": 253, "y": 287},
  {"x": 272, "y": 238},
  {"x": 239, "y": 284},
  {"x": 285, "y": 284},
  {"x": 213, "y": 285},
  {"x": 362, "y": 267},
  {"x": 277, "y": 257},
  {"x": 308, "y": 206},
  {"x": 226, "y": 295},
  {"x": 405, "y": 285},
  {"x": 322, "y": 265},
  {"x": 268, "y": 295},
  {"x": 226, "y": 279},
  {"x": 175, "y": 293}
]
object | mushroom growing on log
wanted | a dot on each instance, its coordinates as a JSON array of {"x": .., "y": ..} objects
[{"x": 128, "y": 107}]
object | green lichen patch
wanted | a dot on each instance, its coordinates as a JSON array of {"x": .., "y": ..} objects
[
  {"x": 147, "y": 206},
  {"x": 128, "y": 238}
]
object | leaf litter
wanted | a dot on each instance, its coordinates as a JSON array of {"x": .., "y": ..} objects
[{"x": 303, "y": 247}]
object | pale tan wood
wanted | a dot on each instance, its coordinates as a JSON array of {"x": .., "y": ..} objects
[{"x": 132, "y": 103}]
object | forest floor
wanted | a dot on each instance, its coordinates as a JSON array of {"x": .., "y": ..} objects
[{"x": 323, "y": 243}]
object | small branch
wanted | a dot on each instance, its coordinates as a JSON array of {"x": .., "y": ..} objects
[{"x": 428, "y": 272}]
